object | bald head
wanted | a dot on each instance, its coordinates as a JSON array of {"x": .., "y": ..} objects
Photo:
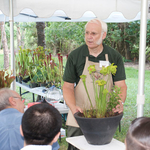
[
  {"x": 10, "y": 99},
  {"x": 5, "y": 93}
]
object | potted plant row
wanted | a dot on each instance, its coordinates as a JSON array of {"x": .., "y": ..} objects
[{"x": 39, "y": 67}]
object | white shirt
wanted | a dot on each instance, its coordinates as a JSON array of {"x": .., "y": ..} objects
[{"x": 37, "y": 147}]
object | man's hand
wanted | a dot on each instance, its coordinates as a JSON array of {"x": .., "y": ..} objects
[
  {"x": 68, "y": 93},
  {"x": 123, "y": 86},
  {"x": 119, "y": 108},
  {"x": 76, "y": 109}
]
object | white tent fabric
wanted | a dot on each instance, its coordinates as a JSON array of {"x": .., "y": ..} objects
[
  {"x": 27, "y": 15},
  {"x": 75, "y": 9}
]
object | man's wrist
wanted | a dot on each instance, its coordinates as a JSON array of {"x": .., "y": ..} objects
[{"x": 122, "y": 102}]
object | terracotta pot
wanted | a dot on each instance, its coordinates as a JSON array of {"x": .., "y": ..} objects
[{"x": 98, "y": 131}]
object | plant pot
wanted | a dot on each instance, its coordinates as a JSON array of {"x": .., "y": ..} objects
[
  {"x": 98, "y": 131},
  {"x": 17, "y": 79},
  {"x": 43, "y": 84},
  {"x": 20, "y": 79},
  {"x": 25, "y": 84},
  {"x": 33, "y": 85},
  {"x": 49, "y": 84},
  {"x": 26, "y": 79}
]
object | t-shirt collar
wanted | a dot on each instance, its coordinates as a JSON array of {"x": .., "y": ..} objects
[{"x": 86, "y": 53}]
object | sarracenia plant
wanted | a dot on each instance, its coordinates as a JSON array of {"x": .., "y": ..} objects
[
  {"x": 6, "y": 78},
  {"x": 104, "y": 100}
]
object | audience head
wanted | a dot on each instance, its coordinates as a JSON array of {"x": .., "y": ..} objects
[
  {"x": 10, "y": 99},
  {"x": 41, "y": 124},
  {"x": 138, "y": 135}
]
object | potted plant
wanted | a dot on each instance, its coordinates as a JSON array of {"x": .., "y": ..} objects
[
  {"x": 99, "y": 116},
  {"x": 6, "y": 78},
  {"x": 23, "y": 59},
  {"x": 33, "y": 77},
  {"x": 60, "y": 59},
  {"x": 41, "y": 74}
]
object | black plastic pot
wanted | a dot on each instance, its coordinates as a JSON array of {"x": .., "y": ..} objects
[
  {"x": 25, "y": 84},
  {"x": 26, "y": 79},
  {"x": 20, "y": 79},
  {"x": 98, "y": 131},
  {"x": 33, "y": 85},
  {"x": 17, "y": 78},
  {"x": 43, "y": 84}
]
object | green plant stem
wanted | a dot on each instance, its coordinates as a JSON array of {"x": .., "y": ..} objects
[
  {"x": 95, "y": 89},
  {"x": 88, "y": 95}
]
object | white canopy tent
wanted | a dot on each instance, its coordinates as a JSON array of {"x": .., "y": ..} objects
[
  {"x": 75, "y": 9},
  {"x": 27, "y": 15}
]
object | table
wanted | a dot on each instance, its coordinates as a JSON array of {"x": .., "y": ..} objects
[
  {"x": 81, "y": 143},
  {"x": 62, "y": 108},
  {"x": 37, "y": 90}
]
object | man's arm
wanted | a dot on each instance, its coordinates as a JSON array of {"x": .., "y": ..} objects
[
  {"x": 123, "y": 86},
  {"x": 69, "y": 97},
  {"x": 123, "y": 91}
]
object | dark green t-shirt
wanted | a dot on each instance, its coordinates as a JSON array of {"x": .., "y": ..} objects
[{"x": 76, "y": 61}]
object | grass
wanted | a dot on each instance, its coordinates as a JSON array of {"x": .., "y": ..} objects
[{"x": 130, "y": 108}]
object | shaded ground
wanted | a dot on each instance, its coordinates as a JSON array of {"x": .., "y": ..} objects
[{"x": 136, "y": 65}]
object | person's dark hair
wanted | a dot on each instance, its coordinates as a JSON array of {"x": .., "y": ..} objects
[
  {"x": 138, "y": 135},
  {"x": 40, "y": 124}
]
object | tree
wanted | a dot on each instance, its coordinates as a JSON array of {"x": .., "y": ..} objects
[
  {"x": 5, "y": 46},
  {"x": 64, "y": 36},
  {"x": 41, "y": 38},
  {"x": 20, "y": 36},
  {"x": 40, "y": 33},
  {"x": 117, "y": 38}
]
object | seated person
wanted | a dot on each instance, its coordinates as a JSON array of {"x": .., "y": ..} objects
[
  {"x": 138, "y": 135},
  {"x": 11, "y": 111},
  {"x": 40, "y": 127}
]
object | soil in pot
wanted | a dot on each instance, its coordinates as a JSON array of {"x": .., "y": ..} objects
[{"x": 98, "y": 131}]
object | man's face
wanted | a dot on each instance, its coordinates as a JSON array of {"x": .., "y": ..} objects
[
  {"x": 93, "y": 36},
  {"x": 19, "y": 103}
]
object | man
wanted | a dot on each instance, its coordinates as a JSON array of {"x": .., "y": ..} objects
[
  {"x": 93, "y": 51},
  {"x": 40, "y": 127},
  {"x": 11, "y": 111}
]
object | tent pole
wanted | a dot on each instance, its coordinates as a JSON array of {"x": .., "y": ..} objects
[
  {"x": 141, "y": 74},
  {"x": 11, "y": 21}
]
